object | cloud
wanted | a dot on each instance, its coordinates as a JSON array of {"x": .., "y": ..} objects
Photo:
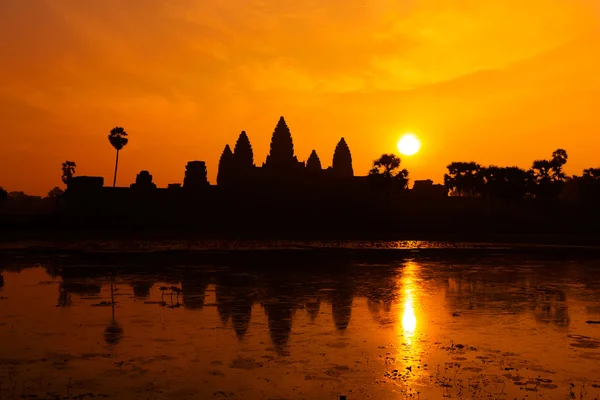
[{"x": 201, "y": 71}]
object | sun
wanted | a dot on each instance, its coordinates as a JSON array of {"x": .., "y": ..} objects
[{"x": 409, "y": 144}]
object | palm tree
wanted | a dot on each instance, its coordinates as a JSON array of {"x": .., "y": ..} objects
[
  {"x": 548, "y": 178},
  {"x": 118, "y": 139},
  {"x": 68, "y": 170},
  {"x": 113, "y": 333},
  {"x": 386, "y": 173},
  {"x": 55, "y": 193},
  {"x": 463, "y": 177}
]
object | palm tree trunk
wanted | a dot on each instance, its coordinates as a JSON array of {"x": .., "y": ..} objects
[
  {"x": 116, "y": 168},
  {"x": 112, "y": 301}
]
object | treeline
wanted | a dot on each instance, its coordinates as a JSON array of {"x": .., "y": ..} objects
[
  {"x": 21, "y": 202},
  {"x": 545, "y": 182}
]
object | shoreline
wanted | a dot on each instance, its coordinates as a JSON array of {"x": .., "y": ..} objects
[
  {"x": 258, "y": 252},
  {"x": 128, "y": 235}
]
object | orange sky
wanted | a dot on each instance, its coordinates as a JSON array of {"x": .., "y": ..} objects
[{"x": 500, "y": 82}]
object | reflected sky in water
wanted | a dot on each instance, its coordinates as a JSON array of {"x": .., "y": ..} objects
[{"x": 292, "y": 328}]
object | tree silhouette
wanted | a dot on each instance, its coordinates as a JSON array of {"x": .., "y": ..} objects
[
  {"x": 282, "y": 147},
  {"x": 313, "y": 164},
  {"x": 591, "y": 173},
  {"x": 464, "y": 177},
  {"x": 342, "y": 160},
  {"x": 3, "y": 195},
  {"x": 559, "y": 159},
  {"x": 18, "y": 196},
  {"x": 589, "y": 187},
  {"x": 506, "y": 183},
  {"x": 548, "y": 177},
  {"x": 68, "y": 171},
  {"x": 118, "y": 139},
  {"x": 386, "y": 173},
  {"x": 242, "y": 153},
  {"x": 55, "y": 193},
  {"x": 386, "y": 165},
  {"x": 113, "y": 333},
  {"x": 226, "y": 167}
]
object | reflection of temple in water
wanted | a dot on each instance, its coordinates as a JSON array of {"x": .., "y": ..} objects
[
  {"x": 279, "y": 304},
  {"x": 234, "y": 299},
  {"x": 193, "y": 286},
  {"x": 386, "y": 289},
  {"x": 141, "y": 289},
  {"x": 312, "y": 307},
  {"x": 279, "y": 294},
  {"x": 341, "y": 306}
]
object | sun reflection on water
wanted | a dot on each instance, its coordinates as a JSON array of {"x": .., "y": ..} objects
[
  {"x": 409, "y": 347},
  {"x": 409, "y": 319},
  {"x": 408, "y": 289}
]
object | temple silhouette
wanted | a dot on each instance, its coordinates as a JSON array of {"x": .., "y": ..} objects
[
  {"x": 286, "y": 196},
  {"x": 281, "y": 167},
  {"x": 282, "y": 192}
]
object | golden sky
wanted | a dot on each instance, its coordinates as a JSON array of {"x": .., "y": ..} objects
[{"x": 498, "y": 82}]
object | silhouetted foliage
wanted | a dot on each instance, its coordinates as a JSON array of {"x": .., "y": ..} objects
[
  {"x": 342, "y": 160},
  {"x": 118, "y": 139},
  {"x": 17, "y": 196},
  {"x": 548, "y": 178},
  {"x": 589, "y": 187},
  {"x": 464, "y": 178},
  {"x": 55, "y": 193},
  {"x": 386, "y": 173},
  {"x": 505, "y": 183},
  {"x": 226, "y": 172},
  {"x": 313, "y": 164},
  {"x": 3, "y": 195},
  {"x": 591, "y": 173},
  {"x": 68, "y": 171},
  {"x": 282, "y": 147},
  {"x": 242, "y": 153}
]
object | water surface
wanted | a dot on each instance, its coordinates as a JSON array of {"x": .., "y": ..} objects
[{"x": 295, "y": 327}]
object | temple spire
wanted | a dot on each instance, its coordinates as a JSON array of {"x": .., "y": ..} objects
[
  {"x": 243, "y": 154},
  {"x": 342, "y": 160},
  {"x": 226, "y": 167},
  {"x": 282, "y": 146},
  {"x": 313, "y": 164}
]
